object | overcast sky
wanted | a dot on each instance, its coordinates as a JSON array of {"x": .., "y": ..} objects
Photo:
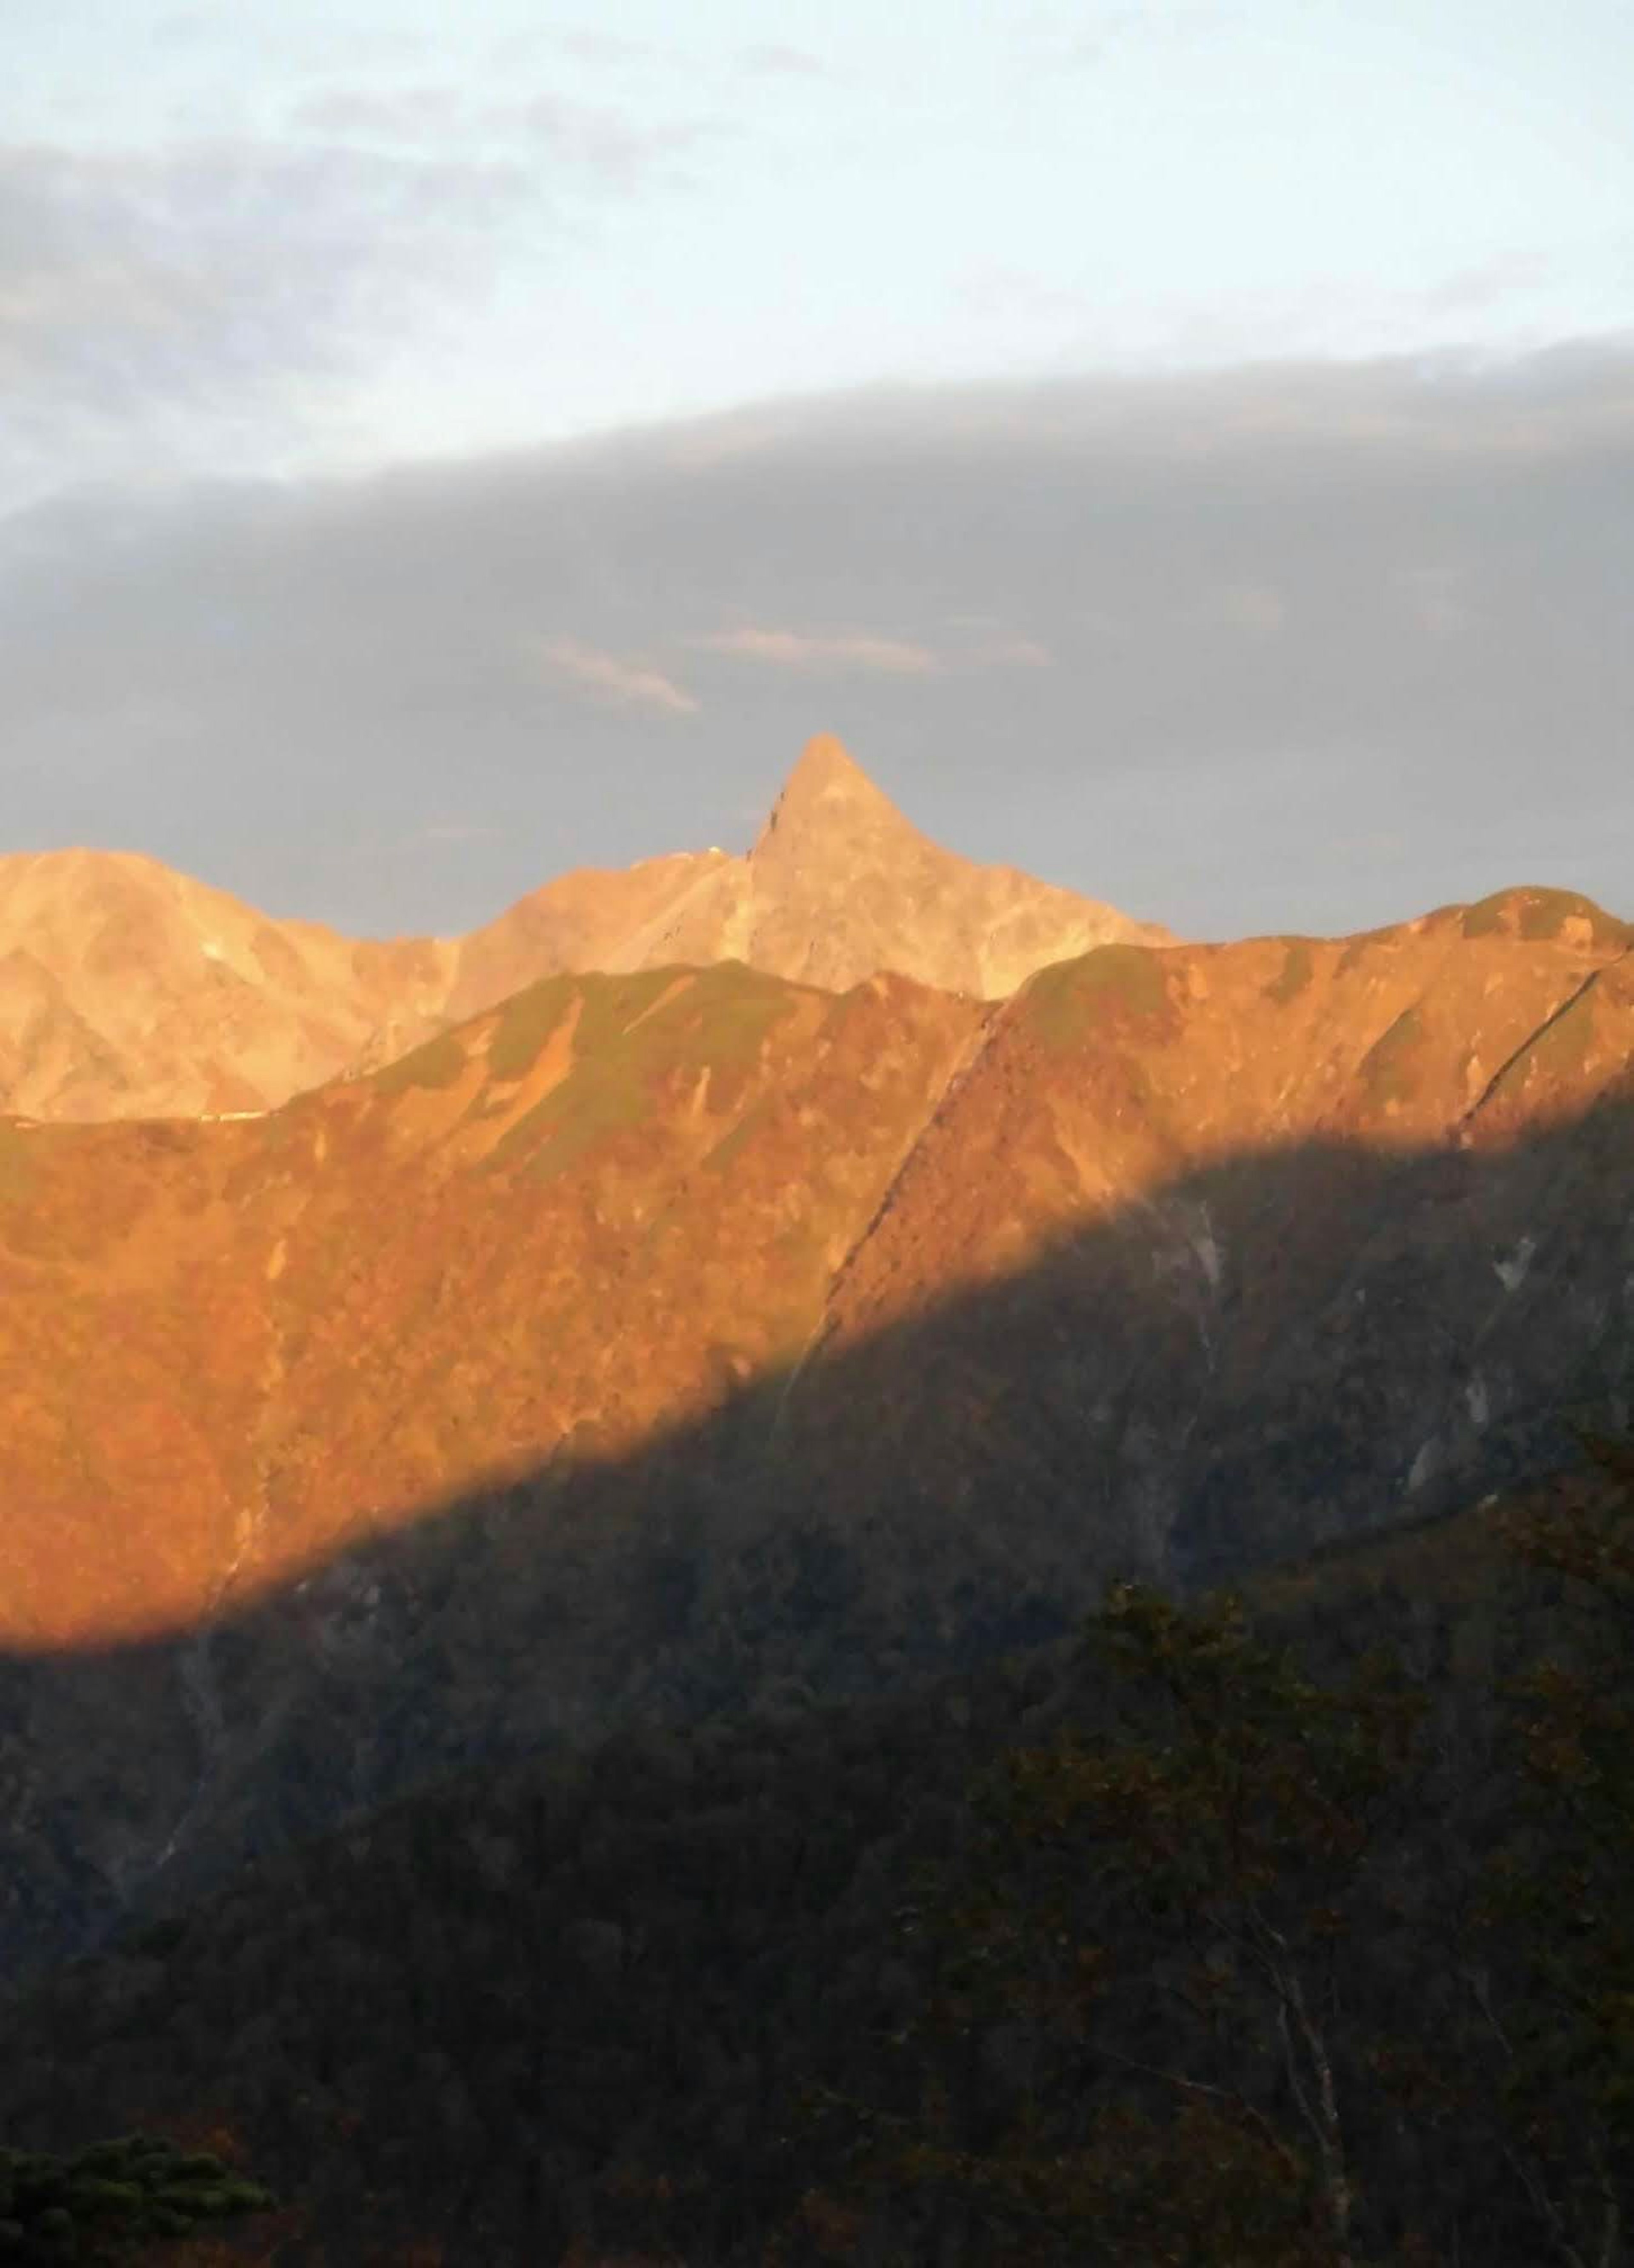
[{"x": 1185, "y": 450}]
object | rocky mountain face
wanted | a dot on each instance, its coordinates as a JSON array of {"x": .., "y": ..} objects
[
  {"x": 129, "y": 991},
  {"x": 675, "y": 1340},
  {"x": 839, "y": 885}
]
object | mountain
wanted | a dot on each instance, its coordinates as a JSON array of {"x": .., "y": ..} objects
[
  {"x": 655, "y": 1343},
  {"x": 129, "y": 991},
  {"x": 839, "y": 885}
]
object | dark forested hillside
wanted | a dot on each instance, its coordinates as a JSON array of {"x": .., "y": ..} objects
[{"x": 812, "y": 1984}]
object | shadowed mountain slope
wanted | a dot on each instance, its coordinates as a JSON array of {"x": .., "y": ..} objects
[
  {"x": 599, "y": 1984},
  {"x": 128, "y": 990},
  {"x": 652, "y": 1342}
]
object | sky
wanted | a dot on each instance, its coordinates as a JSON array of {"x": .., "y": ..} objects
[{"x": 1185, "y": 450}]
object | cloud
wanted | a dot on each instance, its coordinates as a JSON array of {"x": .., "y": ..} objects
[
  {"x": 775, "y": 59},
  {"x": 1001, "y": 293},
  {"x": 592, "y": 139},
  {"x": 407, "y": 114},
  {"x": 1012, "y": 653},
  {"x": 195, "y": 306},
  {"x": 787, "y": 650},
  {"x": 1450, "y": 405},
  {"x": 614, "y": 682},
  {"x": 1051, "y": 44},
  {"x": 220, "y": 304},
  {"x": 1472, "y": 291},
  {"x": 602, "y": 142},
  {"x": 237, "y": 677},
  {"x": 608, "y": 47}
]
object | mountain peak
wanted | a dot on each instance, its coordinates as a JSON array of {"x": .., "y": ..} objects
[
  {"x": 828, "y": 786},
  {"x": 825, "y": 761}
]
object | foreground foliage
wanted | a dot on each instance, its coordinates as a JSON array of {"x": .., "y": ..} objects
[
  {"x": 1291, "y": 1972},
  {"x": 100, "y": 2201}
]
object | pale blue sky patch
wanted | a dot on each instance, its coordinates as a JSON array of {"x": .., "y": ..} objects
[{"x": 691, "y": 212}]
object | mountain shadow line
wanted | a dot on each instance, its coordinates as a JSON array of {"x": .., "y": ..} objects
[{"x": 1276, "y": 1350}]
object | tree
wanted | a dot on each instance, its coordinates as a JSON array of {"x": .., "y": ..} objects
[
  {"x": 1153, "y": 2054},
  {"x": 1556, "y": 1994},
  {"x": 1269, "y": 1972},
  {"x": 96, "y": 2203}
]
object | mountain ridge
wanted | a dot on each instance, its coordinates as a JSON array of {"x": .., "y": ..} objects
[
  {"x": 747, "y": 1169},
  {"x": 656, "y": 1331},
  {"x": 136, "y": 991},
  {"x": 649, "y": 1335}
]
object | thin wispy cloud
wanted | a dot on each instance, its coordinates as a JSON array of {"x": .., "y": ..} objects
[
  {"x": 615, "y": 148},
  {"x": 411, "y": 114},
  {"x": 788, "y": 650},
  {"x": 1011, "y": 653},
  {"x": 592, "y": 46},
  {"x": 614, "y": 680},
  {"x": 977, "y": 646},
  {"x": 1473, "y": 290},
  {"x": 179, "y": 310},
  {"x": 1046, "y": 47},
  {"x": 607, "y": 145},
  {"x": 776, "y": 59}
]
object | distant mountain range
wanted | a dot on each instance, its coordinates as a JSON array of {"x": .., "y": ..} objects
[
  {"x": 657, "y": 1340},
  {"x": 128, "y": 991},
  {"x": 708, "y": 1293}
]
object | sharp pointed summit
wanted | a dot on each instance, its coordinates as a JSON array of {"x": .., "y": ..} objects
[
  {"x": 828, "y": 795},
  {"x": 827, "y": 766}
]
